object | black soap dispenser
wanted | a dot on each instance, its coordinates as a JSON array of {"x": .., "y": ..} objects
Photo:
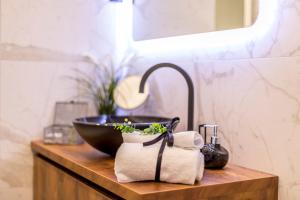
[{"x": 216, "y": 156}]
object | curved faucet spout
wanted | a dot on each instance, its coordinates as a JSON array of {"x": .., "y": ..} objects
[{"x": 188, "y": 81}]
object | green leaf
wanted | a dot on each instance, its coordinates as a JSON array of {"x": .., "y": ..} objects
[
  {"x": 155, "y": 128},
  {"x": 126, "y": 127}
]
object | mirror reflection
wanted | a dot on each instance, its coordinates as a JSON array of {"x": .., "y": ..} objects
[{"x": 165, "y": 18}]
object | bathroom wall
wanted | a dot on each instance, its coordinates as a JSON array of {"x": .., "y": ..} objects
[
  {"x": 250, "y": 89},
  {"x": 41, "y": 42}
]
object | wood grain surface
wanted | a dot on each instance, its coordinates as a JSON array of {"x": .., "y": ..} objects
[
  {"x": 52, "y": 183},
  {"x": 231, "y": 183}
]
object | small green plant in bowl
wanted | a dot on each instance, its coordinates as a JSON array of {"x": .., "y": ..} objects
[
  {"x": 155, "y": 128},
  {"x": 128, "y": 127},
  {"x": 131, "y": 134}
]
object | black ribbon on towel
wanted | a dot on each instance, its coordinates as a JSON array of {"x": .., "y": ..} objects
[{"x": 167, "y": 138}]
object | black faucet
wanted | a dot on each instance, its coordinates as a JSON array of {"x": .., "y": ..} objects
[{"x": 188, "y": 81}]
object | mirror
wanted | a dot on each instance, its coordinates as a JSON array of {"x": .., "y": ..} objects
[{"x": 158, "y": 19}]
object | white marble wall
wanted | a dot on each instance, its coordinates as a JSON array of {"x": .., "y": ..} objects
[
  {"x": 251, "y": 90},
  {"x": 40, "y": 44}
]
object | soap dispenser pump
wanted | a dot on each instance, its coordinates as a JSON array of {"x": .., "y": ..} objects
[{"x": 216, "y": 156}]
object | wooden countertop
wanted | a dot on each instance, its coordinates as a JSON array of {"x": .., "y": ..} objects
[{"x": 98, "y": 168}]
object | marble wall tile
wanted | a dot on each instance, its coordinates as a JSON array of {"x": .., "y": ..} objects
[
  {"x": 28, "y": 92},
  {"x": 69, "y": 26},
  {"x": 40, "y": 43},
  {"x": 256, "y": 102},
  {"x": 15, "y": 163}
]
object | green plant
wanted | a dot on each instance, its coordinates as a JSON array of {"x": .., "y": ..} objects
[
  {"x": 99, "y": 82},
  {"x": 128, "y": 127},
  {"x": 125, "y": 128},
  {"x": 155, "y": 128}
]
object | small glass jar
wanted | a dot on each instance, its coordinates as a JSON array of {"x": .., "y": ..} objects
[
  {"x": 62, "y": 131},
  {"x": 61, "y": 134}
]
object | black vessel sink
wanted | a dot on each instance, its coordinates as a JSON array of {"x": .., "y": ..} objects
[{"x": 100, "y": 133}]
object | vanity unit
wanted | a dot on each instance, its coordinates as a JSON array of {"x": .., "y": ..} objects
[{"x": 83, "y": 173}]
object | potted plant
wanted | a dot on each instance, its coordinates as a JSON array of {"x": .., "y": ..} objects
[{"x": 99, "y": 82}]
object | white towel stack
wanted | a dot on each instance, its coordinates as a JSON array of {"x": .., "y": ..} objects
[{"x": 182, "y": 163}]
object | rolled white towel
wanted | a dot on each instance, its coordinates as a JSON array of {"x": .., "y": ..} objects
[
  {"x": 134, "y": 162},
  {"x": 186, "y": 139},
  {"x": 200, "y": 167}
]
